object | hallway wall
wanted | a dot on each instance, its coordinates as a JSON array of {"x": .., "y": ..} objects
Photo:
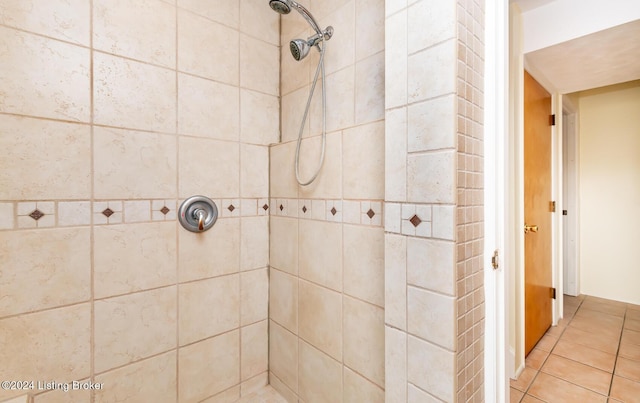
[
  {"x": 111, "y": 113},
  {"x": 610, "y": 192}
]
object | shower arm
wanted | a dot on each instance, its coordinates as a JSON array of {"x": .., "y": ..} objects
[{"x": 326, "y": 34}]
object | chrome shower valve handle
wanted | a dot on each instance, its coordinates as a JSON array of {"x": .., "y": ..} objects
[{"x": 197, "y": 213}]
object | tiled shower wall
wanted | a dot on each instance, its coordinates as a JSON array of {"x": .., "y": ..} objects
[
  {"x": 111, "y": 113},
  {"x": 433, "y": 205},
  {"x": 327, "y": 241}
]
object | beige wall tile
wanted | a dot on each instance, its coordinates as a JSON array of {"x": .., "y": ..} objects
[
  {"x": 396, "y": 60},
  {"x": 370, "y": 28},
  {"x": 282, "y": 389},
  {"x": 370, "y": 89},
  {"x": 131, "y": 164},
  {"x": 395, "y": 162},
  {"x": 134, "y": 326},
  {"x": 254, "y": 177},
  {"x": 208, "y": 109},
  {"x": 440, "y": 185},
  {"x": 283, "y": 300},
  {"x": 321, "y": 253},
  {"x": 59, "y": 273},
  {"x": 327, "y": 184},
  {"x": 359, "y": 389},
  {"x": 320, "y": 318},
  {"x": 260, "y": 117},
  {"x": 364, "y": 339},
  {"x": 142, "y": 30},
  {"x": 255, "y": 350},
  {"x": 208, "y": 307},
  {"x": 284, "y": 244},
  {"x": 259, "y": 21},
  {"x": 320, "y": 376},
  {"x": 254, "y": 247},
  {"x": 259, "y": 66},
  {"x": 37, "y": 80},
  {"x": 395, "y": 365},
  {"x": 209, "y": 367},
  {"x": 292, "y": 107},
  {"x": 221, "y": 179},
  {"x": 60, "y": 396},
  {"x": 432, "y": 72},
  {"x": 153, "y": 380},
  {"x": 254, "y": 296},
  {"x": 363, "y": 257},
  {"x": 255, "y": 387},
  {"x": 395, "y": 270},
  {"x": 53, "y": 344},
  {"x": 418, "y": 396},
  {"x": 432, "y": 124},
  {"x": 423, "y": 357},
  {"x": 217, "y": 10},
  {"x": 137, "y": 211},
  {"x": 230, "y": 395},
  {"x": 444, "y": 222},
  {"x": 197, "y": 37},
  {"x": 341, "y": 49},
  {"x": 133, "y": 257},
  {"x": 282, "y": 175},
  {"x": 340, "y": 109},
  {"x": 283, "y": 355},
  {"x": 363, "y": 161},
  {"x": 431, "y": 264},
  {"x": 32, "y": 147},
  {"x": 59, "y": 19},
  {"x": 209, "y": 254},
  {"x": 432, "y": 317},
  {"x": 133, "y": 95},
  {"x": 439, "y": 16},
  {"x": 7, "y": 219}
]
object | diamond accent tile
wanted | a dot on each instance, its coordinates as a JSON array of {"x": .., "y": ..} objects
[
  {"x": 231, "y": 208},
  {"x": 415, "y": 220},
  {"x": 281, "y": 207},
  {"x": 265, "y": 207},
  {"x": 165, "y": 210},
  {"x": 36, "y": 214},
  {"x": 333, "y": 211},
  {"x": 304, "y": 209},
  {"x": 107, "y": 212},
  {"x": 371, "y": 213}
]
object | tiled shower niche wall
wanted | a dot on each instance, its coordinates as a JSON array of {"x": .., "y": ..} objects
[
  {"x": 326, "y": 308},
  {"x": 111, "y": 113}
]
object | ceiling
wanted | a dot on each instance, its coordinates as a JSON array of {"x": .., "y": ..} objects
[{"x": 606, "y": 57}]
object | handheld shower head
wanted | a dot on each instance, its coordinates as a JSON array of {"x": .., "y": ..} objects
[
  {"x": 280, "y": 6},
  {"x": 299, "y": 49}
]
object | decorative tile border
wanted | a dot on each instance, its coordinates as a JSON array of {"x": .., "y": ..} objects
[
  {"x": 364, "y": 212},
  {"x": 420, "y": 220},
  {"x": 51, "y": 214}
]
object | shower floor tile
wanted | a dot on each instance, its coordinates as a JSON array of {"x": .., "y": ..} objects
[{"x": 265, "y": 395}]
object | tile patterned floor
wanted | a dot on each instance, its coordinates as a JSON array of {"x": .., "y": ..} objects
[
  {"x": 266, "y": 394},
  {"x": 593, "y": 355}
]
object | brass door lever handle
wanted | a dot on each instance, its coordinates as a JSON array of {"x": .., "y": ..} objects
[{"x": 530, "y": 228}]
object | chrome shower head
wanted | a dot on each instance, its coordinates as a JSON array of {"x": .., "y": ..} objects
[
  {"x": 299, "y": 48},
  {"x": 280, "y": 6}
]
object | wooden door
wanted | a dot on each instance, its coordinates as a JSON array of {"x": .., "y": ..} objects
[{"x": 537, "y": 211}]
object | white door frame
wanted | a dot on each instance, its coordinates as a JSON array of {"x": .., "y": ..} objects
[{"x": 571, "y": 187}]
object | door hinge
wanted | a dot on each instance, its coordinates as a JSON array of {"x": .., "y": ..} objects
[
  {"x": 552, "y": 120},
  {"x": 565, "y": 212},
  {"x": 553, "y": 292},
  {"x": 552, "y": 206},
  {"x": 494, "y": 260}
]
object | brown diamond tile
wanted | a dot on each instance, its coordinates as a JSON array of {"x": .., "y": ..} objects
[
  {"x": 36, "y": 214},
  {"x": 304, "y": 209},
  {"x": 265, "y": 207},
  {"x": 107, "y": 212},
  {"x": 371, "y": 213},
  {"x": 415, "y": 220},
  {"x": 165, "y": 210},
  {"x": 333, "y": 211},
  {"x": 281, "y": 207},
  {"x": 231, "y": 208}
]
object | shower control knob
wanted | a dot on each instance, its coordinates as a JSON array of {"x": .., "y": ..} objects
[{"x": 197, "y": 213}]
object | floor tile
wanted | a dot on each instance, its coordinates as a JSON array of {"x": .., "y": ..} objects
[
  {"x": 589, "y": 356},
  {"x": 615, "y": 310},
  {"x": 524, "y": 380},
  {"x": 624, "y": 389},
  {"x": 608, "y": 344},
  {"x": 630, "y": 351},
  {"x": 547, "y": 342},
  {"x": 631, "y": 337},
  {"x": 555, "y": 331},
  {"x": 632, "y": 324},
  {"x": 515, "y": 395},
  {"x": 536, "y": 358},
  {"x": 552, "y": 389},
  {"x": 633, "y": 315},
  {"x": 579, "y": 374},
  {"x": 629, "y": 369},
  {"x": 531, "y": 399}
]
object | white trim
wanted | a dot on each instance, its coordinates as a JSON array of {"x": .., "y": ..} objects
[
  {"x": 571, "y": 203},
  {"x": 556, "y": 218}
]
